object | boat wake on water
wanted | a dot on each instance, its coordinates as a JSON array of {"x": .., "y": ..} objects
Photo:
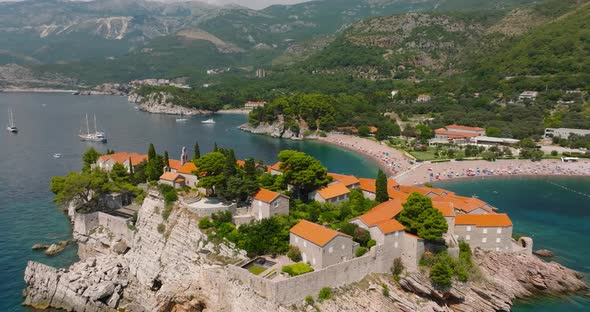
[{"x": 569, "y": 189}]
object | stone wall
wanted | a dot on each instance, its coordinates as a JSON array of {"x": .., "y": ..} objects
[
  {"x": 207, "y": 212},
  {"x": 84, "y": 224},
  {"x": 295, "y": 289}
]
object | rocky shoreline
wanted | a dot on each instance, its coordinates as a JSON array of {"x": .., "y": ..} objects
[
  {"x": 160, "y": 103},
  {"x": 180, "y": 269}
]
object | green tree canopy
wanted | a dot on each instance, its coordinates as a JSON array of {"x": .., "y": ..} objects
[
  {"x": 197, "y": 151},
  {"x": 212, "y": 166},
  {"x": 303, "y": 172},
  {"x": 421, "y": 218},
  {"x": 89, "y": 158},
  {"x": 80, "y": 188}
]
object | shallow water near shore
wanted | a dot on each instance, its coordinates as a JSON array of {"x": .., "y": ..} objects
[
  {"x": 553, "y": 211},
  {"x": 49, "y": 124}
]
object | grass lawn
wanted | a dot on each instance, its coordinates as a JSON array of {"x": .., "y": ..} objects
[
  {"x": 423, "y": 155},
  {"x": 256, "y": 270},
  {"x": 297, "y": 269}
]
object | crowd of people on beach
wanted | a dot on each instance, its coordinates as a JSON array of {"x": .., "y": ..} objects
[
  {"x": 429, "y": 172},
  {"x": 391, "y": 160},
  {"x": 406, "y": 171}
]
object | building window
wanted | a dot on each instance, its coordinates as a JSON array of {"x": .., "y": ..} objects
[
  {"x": 396, "y": 233},
  {"x": 485, "y": 231},
  {"x": 498, "y": 240},
  {"x": 343, "y": 247},
  {"x": 467, "y": 237},
  {"x": 304, "y": 244},
  {"x": 468, "y": 229},
  {"x": 396, "y": 245},
  {"x": 483, "y": 240},
  {"x": 499, "y": 231},
  {"x": 276, "y": 204},
  {"x": 259, "y": 203},
  {"x": 313, "y": 261},
  {"x": 331, "y": 250},
  {"x": 296, "y": 239}
]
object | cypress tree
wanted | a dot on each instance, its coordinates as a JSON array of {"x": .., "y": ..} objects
[
  {"x": 381, "y": 187},
  {"x": 166, "y": 160},
  {"x": 151, "y": 152},
  {"x": 250, "y": 168},
  {"x": 215, "y": 148},
  {"x": 197, "y": 153},
  {"x": 230, "y": 164}
]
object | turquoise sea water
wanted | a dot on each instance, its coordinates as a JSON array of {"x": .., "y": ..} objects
[
  {"x": 49, "y": 123},
  {"x": 554, "y": 211}
]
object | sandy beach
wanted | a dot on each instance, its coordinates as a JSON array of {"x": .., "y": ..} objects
[
  {"x": 241, "y": 111},
  {"x": 401, "y": 168},
  {"x": 432, "y": 172},
  {"x": 390, "y": 160}
]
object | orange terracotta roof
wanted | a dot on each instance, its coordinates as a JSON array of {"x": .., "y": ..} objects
[
  {"x": 187, "y": 168},
  {"x": 415, "y": 189},
  {"x": 315, "y": 233},
  {"x": 347, "y": 180},
  {"x": 465, "y": 204},
  {"x": 276, "y": 167},
  {"x": 459, "y": 127},
  {"x": 123, "y": 157},
  {"x": 265, "y": 195},
  {"x": 382, "y": 212},
  {"x": 390, "y": 226},
  {"x": 446, "y": 208},
  {"x": 240, "y": 163},
  {"x": 412, "y": 235},
  {"x": 395, "y": 194},
  {"x": 368, "y": 185},
  {"x": 175, "y": 164},
  {"x": 373, "y": 129},
  {"x": 170, "y": 176},
  {"x": 484, "y": 220},
  {"x": 333, "y": 190}
]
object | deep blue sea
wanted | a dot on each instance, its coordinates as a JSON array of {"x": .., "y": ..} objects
[{"x": 49, "y": 124}]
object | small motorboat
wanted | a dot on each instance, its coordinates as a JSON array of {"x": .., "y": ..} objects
[
  {"x": 11, "y": 127},
  {"x": 208, "y": 121},
  {"x": 181, "y": 119},
  {"x": 57, "y": 155}
]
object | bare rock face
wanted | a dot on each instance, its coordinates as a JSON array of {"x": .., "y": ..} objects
[
  {"x": 161, "y": 103},
  {"x": 277, "y": 129},
  {"x": 546, "y": 253},
  {"x": 180, "y": 270}
]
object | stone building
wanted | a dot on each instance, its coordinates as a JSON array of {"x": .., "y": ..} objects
[
  {"x": 320, "y": 246},
  {"x": 266, "y": 203},
  {"x": 172, "y": 178},
  {"x": 351, "y": 182},
  {"x": 128, "y": 160},
  {"x": 333, "y": 193},
  {"x": 276, "y": 169},
  {"x": 488, "y": 231},
  {"x": 188, "y": 171}
]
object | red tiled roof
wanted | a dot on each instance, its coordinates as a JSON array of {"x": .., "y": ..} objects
[
  {"x": 240, "y": 163},
  {"x": 175, "y": 164},
  {"x": 465, "y": 204},
  {"x": 484, "y": 220},
  {"x": 347, "y": 180},
  {"x": 315, "y": 233},
  {"x": 368, "y": 185},
  {"x": 187, "y": 168},
  {"x": 265, "y": 195},
  {"x": 445, "y": 208},
  {"x": 459, "y": 127},
  {"x": 276, "y": 167},
  {"x": 384, "y": 211},
  {"x": 333, "y": 190},
  {"x": 122, "y": 157},
  {"x": 390, "y": 226},
  {"x": 171, "y": 176}
]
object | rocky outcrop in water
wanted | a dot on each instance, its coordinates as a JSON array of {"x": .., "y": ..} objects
[
  {"x": 161, "y": 103},
  {"x": 180, "y": 269},
  {"x": 277, "y": 129}
]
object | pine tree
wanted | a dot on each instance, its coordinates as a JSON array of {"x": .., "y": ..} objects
[
  {"x": 151, "y": 152},
  {"x": 381, "y": 187},
  {"x": 166, "y": 161},
  {"x": 197, "y": 150}
]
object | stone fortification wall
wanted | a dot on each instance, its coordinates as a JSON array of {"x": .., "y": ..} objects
[
  {"x": 295, "y": 289},
  {"x": 85, "y": 224},
  {"x": 208, "y": 211}
]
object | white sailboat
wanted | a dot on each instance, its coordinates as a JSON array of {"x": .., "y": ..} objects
[
  {"x": 11, "y": 127},
  {"x": 96, "y": 136},
  {"x": 208, "y": 121}
]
